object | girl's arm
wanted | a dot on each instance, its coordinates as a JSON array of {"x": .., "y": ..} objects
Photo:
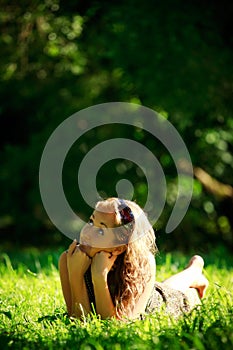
[
  {"x": 100, "y": 267},
  {"x": 79, "y": 297},
  {"x": 77, "y": 264},
  {"x": 141, "y": 304}
]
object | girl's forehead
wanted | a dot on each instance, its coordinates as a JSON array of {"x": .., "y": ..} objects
[{"x": 109, "y": 219}]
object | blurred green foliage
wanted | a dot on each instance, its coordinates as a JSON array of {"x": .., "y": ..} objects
[{"x": 59, "y": 57}]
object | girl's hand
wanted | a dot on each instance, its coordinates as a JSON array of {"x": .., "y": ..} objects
[
  {"x": 77, "y": 261},
  {"x": 102, "y": 263}
]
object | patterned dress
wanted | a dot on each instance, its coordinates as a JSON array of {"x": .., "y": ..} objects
[{"x": 174, "y": 302}]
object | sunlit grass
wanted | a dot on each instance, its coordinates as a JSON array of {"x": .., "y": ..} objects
[{"x": 32, "y": 311}]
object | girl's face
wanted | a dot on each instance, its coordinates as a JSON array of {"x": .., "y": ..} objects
[{"x": 98, "y": 234}]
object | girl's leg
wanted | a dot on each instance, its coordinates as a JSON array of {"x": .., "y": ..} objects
[
  {"x": 191, "y": 277},
  {"x": 65, "y": 283}
]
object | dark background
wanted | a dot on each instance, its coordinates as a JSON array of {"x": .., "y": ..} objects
[{"x": 58, "y": 57}]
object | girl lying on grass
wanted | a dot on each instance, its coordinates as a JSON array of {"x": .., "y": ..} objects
[{"x": 113, "y": 267}]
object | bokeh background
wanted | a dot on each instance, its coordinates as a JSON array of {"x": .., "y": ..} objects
[{"x": 58, "y": 57}]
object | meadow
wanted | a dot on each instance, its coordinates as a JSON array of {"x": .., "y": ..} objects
[{"x": 32, "y": 311}]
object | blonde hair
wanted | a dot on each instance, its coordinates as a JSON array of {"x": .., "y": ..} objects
[{"x": 132, "y": 272}]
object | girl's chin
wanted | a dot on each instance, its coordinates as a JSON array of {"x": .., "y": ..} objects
[
  {"x": 90, "y": 251},
  {"x": 85, "y": 248}
]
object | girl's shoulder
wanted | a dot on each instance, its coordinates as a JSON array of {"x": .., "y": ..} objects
[
  {"x": 152, "y": 265},
  {"x": 152, "y": 260}
]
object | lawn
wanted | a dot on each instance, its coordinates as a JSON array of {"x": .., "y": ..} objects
[{"x": 32, "y": 312}]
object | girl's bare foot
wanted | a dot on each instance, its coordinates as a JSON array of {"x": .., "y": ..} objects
[
  {"x": 200, "y": 283},
  {"x": 196, "y": 261}
]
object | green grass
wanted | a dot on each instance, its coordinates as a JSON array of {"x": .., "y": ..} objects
[{"x": 32, "y": 312}]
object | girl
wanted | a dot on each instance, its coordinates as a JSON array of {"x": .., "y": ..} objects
[{"x": 113, "y": 268}]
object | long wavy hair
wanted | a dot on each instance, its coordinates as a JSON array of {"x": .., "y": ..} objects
[{"x": 132, "y": 269}]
